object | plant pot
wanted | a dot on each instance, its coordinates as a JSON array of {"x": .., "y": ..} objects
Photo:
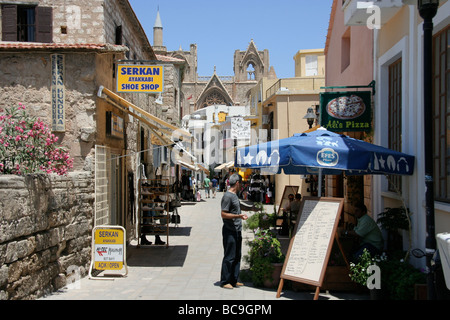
[
  {"x": 376, "y": 294},
  {"x": 275, "y": 278}
]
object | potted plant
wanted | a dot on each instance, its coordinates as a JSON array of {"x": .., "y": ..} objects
[
  {"x": 360, "y": 272},
  {"x": 398, "y": 277},
  {"x": 265, "y": 259},
  {"x": 393, "y": 220},
  {"x": 260, "y": 219}
]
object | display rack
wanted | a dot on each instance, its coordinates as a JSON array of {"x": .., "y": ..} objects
[{"x": 154, "y": 208}]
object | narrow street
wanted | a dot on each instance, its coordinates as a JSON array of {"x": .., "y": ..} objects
[{"x": 189, "y": 269}]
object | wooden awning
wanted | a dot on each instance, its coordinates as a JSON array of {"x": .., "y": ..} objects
[
  {"x": 226, "y": 165},
  {"x": 162, "y": 134},
  {"x": 187, "y": 165},
  {"x": 201, "y": 167}
]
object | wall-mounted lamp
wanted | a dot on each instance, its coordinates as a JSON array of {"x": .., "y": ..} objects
[{"x": 310, "y": 117}]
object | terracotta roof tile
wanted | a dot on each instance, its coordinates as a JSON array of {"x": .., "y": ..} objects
[
  {"x": 61, "y": 46},
  {"x": 169, "y": 59}
]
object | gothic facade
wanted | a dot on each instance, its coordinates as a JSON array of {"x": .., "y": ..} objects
[{"x": 198, "y": 92}]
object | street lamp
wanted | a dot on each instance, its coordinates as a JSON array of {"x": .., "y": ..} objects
[
  {"x": 310, "y": 117},
  {"x": 427, "y": 10}
]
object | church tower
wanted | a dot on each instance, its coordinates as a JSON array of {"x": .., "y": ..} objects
[
  {"x": 158, "y": 45},
  {"x": 251, "y": 65},
  {"x": 199, "y": 92}
]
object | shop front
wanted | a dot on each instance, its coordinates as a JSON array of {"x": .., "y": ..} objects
[
  {"x": 110, "y": 166},
  {"x": 119, "y": 171}
]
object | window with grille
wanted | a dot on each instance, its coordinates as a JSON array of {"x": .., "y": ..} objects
[
  {"x": 441, "y": 115},
  {"x": 395, "y": 117}
]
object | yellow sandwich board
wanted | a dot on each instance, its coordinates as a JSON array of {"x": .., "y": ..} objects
[{"x": 108, "y": 249}]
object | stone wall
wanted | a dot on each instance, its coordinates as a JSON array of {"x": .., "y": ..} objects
[
  {"x": 45, "y": 232},
  {"x": 26, "y": 78}
]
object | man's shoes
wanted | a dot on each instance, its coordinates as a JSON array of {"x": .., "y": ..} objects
[
  {"x": 227, "y": 286},
  {"x": 238, "y": 284}
]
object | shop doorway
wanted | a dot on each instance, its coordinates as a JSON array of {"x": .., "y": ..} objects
[
  {"x": 116, "y": 191},
  {"x": 109, "y": 188}
]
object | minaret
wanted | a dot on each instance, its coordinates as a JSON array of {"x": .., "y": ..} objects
[{"x": 158, "y": 46}]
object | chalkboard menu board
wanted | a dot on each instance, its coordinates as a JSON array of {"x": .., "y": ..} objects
[{"x": 310, "y": 247}]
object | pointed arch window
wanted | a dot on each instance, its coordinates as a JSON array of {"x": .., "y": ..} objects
[
  {"x": 251, "y": 75},
  {"x": 214, "y": 98}
]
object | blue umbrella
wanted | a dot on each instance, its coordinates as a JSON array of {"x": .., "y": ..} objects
[{"x": 324, "y": 152}]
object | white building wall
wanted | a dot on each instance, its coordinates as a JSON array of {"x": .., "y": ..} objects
[{"x": 410, "y": 49}]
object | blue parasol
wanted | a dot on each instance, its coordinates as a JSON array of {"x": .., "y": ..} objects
[{"x": 323, "y": 152}]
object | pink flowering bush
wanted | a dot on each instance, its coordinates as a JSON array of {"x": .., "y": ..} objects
[{"x": 28, "y": 146}]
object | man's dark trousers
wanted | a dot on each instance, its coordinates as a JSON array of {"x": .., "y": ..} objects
[{"x": 231, "y": 263}]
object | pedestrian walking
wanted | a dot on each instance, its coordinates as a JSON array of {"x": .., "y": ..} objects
[
  {"x": 232, "y": 233},
  {"x": 206, "y": 182},
  {"x": 215, "y": 184}
]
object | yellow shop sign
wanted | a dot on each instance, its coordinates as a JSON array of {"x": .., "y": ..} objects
[
  {"x": 108, "y": 249},
  {"x": 139, "y": 78}
]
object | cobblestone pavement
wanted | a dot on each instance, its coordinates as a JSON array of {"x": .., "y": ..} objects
[{"x": 189, "y": 269}]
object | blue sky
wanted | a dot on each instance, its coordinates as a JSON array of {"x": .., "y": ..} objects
[{"x": 221, "y": 27}]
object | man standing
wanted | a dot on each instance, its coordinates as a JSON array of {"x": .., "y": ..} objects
[{"x": 232, "y": 233}]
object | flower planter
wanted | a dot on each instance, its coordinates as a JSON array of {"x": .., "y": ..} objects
[
  {"x": 271, "y": 283},
  {"x": 376, "y": 294},
  {"x": 336, "y": 279}
]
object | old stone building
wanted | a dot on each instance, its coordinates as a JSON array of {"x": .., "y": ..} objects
[
  {"x": 82, "y": 43},
  {"x": 199, "y": 92}
]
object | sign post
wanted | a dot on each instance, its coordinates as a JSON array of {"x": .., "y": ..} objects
[
  {"x": 58, "y": 93},
  {"x": 108, "y": 250}
]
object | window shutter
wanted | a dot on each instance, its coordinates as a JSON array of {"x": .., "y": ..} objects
[
  {"x": 9, "y": 22},
  {"x": 44, "y": 24}
]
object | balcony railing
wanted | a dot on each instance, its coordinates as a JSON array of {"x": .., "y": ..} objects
[
  {"x": 296, "y": 84},
  {"x": 222, "y": 78}
]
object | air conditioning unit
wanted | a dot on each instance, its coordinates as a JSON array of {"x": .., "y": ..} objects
[{"x": 443, "y": 244}]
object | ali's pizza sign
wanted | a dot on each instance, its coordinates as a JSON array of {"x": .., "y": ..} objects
[{"x": 346, "y": 111}]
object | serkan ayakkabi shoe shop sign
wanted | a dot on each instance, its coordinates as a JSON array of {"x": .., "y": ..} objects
[
  {"x": 140, "y": 78},
  {"x": 346, "y": 111}
]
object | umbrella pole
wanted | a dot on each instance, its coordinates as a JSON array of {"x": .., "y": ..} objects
[{"x": 319, "y": 188}]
